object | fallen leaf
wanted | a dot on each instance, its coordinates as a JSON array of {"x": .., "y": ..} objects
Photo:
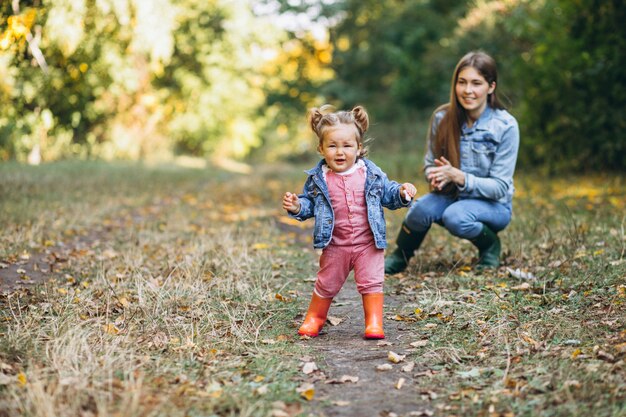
[
  {"x": 309, "y": 368},
  {"x": 394, "y": 357},
  {"x": 408, "y": 367},
  {"x": 341, "y": 403},
  {"x": 519, "y": 274},
  {"x": 282, "y": 298},
  {"x": 524, "y": 286},
  {"x": 258, "y": 246},
  {"x": 307, "y": 391},
  {"x": 111, "y": 329},
  {"x": 384, "y": 367},
  {"x": 383, "y": 343},
  {"x": 420, "y": 343},
  {"x": 334, "y": 320},
  {"x": 21, "y": 378},
  {"x": 400, "y": 383},
  {"x": 348, "y": 378}
]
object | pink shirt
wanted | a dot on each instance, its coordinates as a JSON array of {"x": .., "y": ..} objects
[{"x": 347, "y": 195}]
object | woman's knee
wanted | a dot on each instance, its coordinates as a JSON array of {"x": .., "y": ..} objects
[{"x": 459, "y": 223}]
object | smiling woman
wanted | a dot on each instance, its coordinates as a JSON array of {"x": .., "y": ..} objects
[{"x": 470, "y": 160}]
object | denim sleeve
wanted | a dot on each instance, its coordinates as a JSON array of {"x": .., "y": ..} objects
[
  {"x": 499, "y": 183},
  {"x": 307, "y": 204},
  {"x": 391, "y": 195}
]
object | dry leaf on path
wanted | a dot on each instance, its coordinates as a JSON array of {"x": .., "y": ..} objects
[
  {"x": 400, "y": 383},
  {"x": 334, "y": 320},
  {"x": 384, "y": 367},
  {"x": 408, "y": 367},
  {"x": 394, "y": 357},
  {"x": 307, "y": 391},
  {"x": 309, "y": 367},
  {"x": 420, "y": 343}
]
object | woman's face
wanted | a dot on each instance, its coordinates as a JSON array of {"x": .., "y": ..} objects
[
  {"x": 340, "y": 147},
  {"x": 472, "y": 90}
]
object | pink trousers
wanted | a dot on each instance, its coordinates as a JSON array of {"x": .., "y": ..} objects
[{"x": 336, "y": 262}]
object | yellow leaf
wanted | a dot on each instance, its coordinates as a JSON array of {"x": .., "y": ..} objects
[
  {"x": 576, "y": 353},
  {"x": 111, "y": 329},
  {"x": 400, "y": 383},
  {"x": 21, "y": 379},
  {"x": 394, "y": 357},
  {"x": 306, "y": 391},
  {"x": 62, "y": 291},
  {"x": 216, "y": 393},
  {"x": 282, "y": 298},
  {"x": 308, "y": 394},
  {"x": 259, "y": 378},
  {"x": 260, "y": 246}
]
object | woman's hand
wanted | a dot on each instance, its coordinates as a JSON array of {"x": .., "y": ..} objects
[
  {"x": 291, "y": 203},
  {"x": 444, "y": 173},
  {"x": 408, "y": 191}
]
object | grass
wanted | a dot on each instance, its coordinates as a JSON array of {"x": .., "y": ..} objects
[{"x": 181, "y": 290}]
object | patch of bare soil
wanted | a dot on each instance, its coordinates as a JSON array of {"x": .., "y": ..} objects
[{"x": 383, "y": 388}]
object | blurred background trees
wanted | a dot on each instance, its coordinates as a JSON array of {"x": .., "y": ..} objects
[{"x": 233, "y": 78}]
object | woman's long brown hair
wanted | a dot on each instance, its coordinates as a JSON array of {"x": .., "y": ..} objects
[{"x": 447, "y": 140}]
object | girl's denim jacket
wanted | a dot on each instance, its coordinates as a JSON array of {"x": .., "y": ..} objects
[
  {"x": 379, "y": 192},
  {"x": 488, "y": 155}
]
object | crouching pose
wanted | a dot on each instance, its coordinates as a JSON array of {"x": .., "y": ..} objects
[
  {"x": 469, "y": 163},
  {"x": 346, "y": 194}
]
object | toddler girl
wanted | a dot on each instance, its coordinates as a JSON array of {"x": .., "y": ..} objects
[{"x": 346, "y": 194}]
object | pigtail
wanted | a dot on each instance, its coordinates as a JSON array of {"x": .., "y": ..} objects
[
  {"x": 361, "y": 119},
  {"x": 315, "y": 116}
]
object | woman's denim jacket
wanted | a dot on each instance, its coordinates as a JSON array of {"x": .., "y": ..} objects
[
  {"x": 379, "y": 192},
  {"x": 488, "y": 155}
]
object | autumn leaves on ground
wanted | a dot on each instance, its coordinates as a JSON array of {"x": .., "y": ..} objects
[{"x": 172, "y": 291}]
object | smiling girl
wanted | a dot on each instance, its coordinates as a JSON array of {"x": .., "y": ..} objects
[
  {"x": 469, "y": 163},
  {"x": 346, "y": 194}
]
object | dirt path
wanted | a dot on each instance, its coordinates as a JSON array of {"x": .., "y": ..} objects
[{"x": 344, "y": 352}]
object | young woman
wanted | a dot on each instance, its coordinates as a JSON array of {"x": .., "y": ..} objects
[
  {"x": 469, "y": 163},
  {"x": 346, "y": 194}
]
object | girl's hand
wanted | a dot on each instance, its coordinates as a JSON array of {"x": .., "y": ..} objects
[
  {"x": 291, "y": 203},
  {"x": 408, "y": 191},
  {"x": 444, "y": 173}
]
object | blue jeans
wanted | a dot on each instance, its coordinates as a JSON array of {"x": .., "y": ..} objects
[{"x": 463, "y": 218}]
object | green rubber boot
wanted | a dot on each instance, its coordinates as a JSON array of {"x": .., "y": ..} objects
[
  {"x": 408, "y": 242},
  {"x": 488, "y": 245}
]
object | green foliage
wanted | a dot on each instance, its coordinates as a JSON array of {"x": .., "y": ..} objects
[
  {"x": 561, "y": 62},
  {"x": 132, "y": 79}
]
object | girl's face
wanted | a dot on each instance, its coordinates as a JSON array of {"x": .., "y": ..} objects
[
  {"x": 472, "y": 90},
  {"x": 340, "y": 147}
]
